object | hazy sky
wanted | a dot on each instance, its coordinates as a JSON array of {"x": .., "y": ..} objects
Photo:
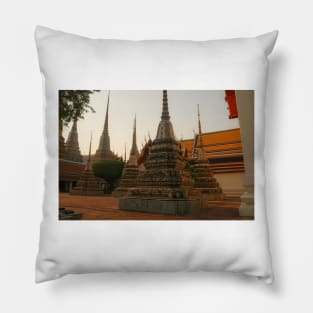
[{"x": 147, "y": 106}]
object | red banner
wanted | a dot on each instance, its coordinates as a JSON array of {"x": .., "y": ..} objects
[{"x": 230, "y": 98}]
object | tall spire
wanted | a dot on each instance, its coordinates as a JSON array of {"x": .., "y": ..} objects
[
  {"x": 106, "y": 121},
  {"x": 72, "y": 145},
  {"x": 134, "y": 149},
  {"x": 204, "y": 180},
  {"x": 165, "y": 113},
  {"x": 200, "y": 145},
  {"x": 201, "y": 152},
  {"x": 130, "y": 171},
  {"x": 104, "y": 150},
  {"x": 89, "y": 155}
]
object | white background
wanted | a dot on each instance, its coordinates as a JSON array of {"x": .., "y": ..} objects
[{"x": 289, "y": 153}]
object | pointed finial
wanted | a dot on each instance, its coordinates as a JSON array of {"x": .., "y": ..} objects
[
  {"x": 90, "y": 143},
  {"x": 134, "y": 148},
  {"x": 134, "y": 128},
  {"x": 165, "y": 113},
  {"x": 199, "y": 129},
  {"x": 106, "y": 122},
  {"x": 89, "y": 154}
]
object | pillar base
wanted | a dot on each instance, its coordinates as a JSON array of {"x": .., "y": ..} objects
[{"x": 246, "y": 208}]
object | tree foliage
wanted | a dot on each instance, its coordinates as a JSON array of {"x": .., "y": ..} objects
[
  {"x": 110, "y": 170},
  {"x": 73, "y": 104}
]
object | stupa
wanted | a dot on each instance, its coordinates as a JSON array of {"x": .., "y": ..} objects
[
  {"x": 205, "y": 182},
  {"x": 89, "y": 184},
  {"x": 62, "y": 149},
  {"x": 130, "y": 171},
  {"x": 72, "y": 151},
  {"x": 164, "y": 185},
  {"x": 104, "y": 150}
]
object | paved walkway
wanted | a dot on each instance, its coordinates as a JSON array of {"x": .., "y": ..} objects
[{"x": 106, "y": 208}]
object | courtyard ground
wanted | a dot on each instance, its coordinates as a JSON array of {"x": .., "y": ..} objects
[{"x": 106, "y": 208}]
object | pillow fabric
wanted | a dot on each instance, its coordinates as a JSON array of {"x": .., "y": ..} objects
[{"x": 71, "y": 62}]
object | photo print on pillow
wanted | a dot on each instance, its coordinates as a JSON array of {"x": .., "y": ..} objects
[{"x": 185, "y": 156}]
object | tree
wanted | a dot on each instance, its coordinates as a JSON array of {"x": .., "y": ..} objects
[
  {"x": 110, "y": 170},
  {"x": 73, "y": 104}
]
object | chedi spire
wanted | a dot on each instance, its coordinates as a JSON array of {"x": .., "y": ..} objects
[
  {"x": 165, "y": 128},
  {"x": 205, "y": 182},
  {"x": 134, "y": 149},
  {"x": 130, "y": 171},
  {"x": 104, "y": 149},
  {"x": 163, "y": 187},
  {"x": 72, "y": 151},
  {"x": 89, "y": 184},
  {"x": 201, "y": 152}
]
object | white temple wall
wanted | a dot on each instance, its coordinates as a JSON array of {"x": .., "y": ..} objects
[{"x": 231, "y": 183}]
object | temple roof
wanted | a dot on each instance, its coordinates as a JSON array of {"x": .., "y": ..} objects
[{"x": 222, "y": 148}]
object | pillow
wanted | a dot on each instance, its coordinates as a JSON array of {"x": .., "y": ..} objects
[{"x": 187, "y": 192}]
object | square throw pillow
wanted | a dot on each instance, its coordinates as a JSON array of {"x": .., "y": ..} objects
[{"x": 155, "y": 155}]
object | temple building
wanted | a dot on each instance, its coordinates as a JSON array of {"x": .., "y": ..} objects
[
  {"x": 104, "y": 150},
  {"x": 205, "y": 182},
  {"x": 88, "y": 184},
  {"x": 72, "y": 151},
  {"x": 164, "y": 186},
  {"x": 71, "y": 164},
  {"x": 130, "y": 171},
  {"x": 69, "y": 174}
]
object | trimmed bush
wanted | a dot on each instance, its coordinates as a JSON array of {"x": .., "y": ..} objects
[{"x": 110, "y": 170}]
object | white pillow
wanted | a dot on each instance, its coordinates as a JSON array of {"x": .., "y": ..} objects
[{"x": 71, "y": 62}]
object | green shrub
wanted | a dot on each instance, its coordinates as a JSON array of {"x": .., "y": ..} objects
[{"x": 110, "y": 170}]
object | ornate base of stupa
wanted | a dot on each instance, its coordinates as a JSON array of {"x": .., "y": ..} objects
[{"x": 160, "y": 206}]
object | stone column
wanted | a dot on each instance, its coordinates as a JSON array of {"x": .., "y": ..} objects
[{"x": 245, "y": 106}]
